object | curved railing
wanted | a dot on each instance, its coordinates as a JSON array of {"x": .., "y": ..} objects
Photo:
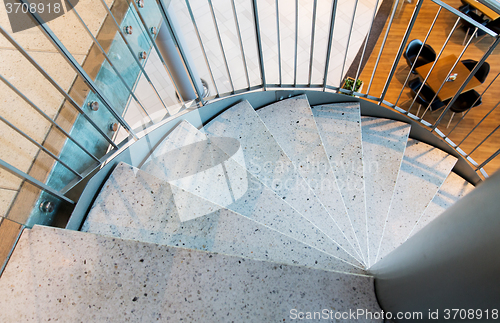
[{"x": 107, "y": 77}]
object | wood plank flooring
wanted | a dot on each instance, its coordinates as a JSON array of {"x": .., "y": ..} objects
[{"x": 478, "y": 46}]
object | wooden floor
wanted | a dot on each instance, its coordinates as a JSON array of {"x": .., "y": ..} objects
[
  {"x": 442, "y": 28},
  {"x": 9, "y": 231}
]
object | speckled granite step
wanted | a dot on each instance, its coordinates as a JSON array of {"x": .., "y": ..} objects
[
  {"x": 215, "y": 176},
  {"x": 292, "y": 124},
  {"x": 265, "y": 159},
  {"x": 339, "y": 127},
  {"x": 68, "y": 275},
  {"x": 136, "y": 205},
  {"x": 423, "y": 171},
  {"x": 453, "y": 189},
  {"x": 384, "y": 143}
]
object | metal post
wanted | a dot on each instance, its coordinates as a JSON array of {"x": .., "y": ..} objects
[
  {"x": 434, "y": 64},
  {"x": 401, "y": 49},
  {"x": 259, "y": 42},
  {"x": 46, "y": 117},
  {"x": 57, "y": 87},
  {"x": 191, "y": 15},
  {"x": 449, "y": 133},
  {"x": 488, "y": 160},
  {"x": 221, "y": 45},
  {"x": 418, "y": 54},
  {"x": 81, "y": 72},
  {"x": 366, "y": 42},
  {"x": 152, "y": 40},
  {"x": 296, "y": 42},
  {"x": 111, "y": 64},
  {"x": 11, "y": 169},
  {"x": 168, "y": 25},
  {"x": 237, "y": 25},
  {"x": 34, "y": 142},
  {"x": 330, "y": 39},
  {"x": 313, "y": 31},
  {"x": 452, "y": 263},
  {"x": 471, "y": 75},
  {"x": 395, "y": 4},
  {"x": 347, "y": 45},
  {"x": 278, "y": 42},
  {"x": 133, "y": 53},
  {"x": 168, "y": 51}
]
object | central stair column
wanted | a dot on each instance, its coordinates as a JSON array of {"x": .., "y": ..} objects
[{"x": 452, "y": 263}]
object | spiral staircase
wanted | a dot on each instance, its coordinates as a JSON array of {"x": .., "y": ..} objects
[{"x": 267, "y": 215}]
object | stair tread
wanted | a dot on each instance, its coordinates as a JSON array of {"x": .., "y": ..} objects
[
  {"x": 384, "y": 144},
  {"x": 265, "y": 159},
  {"x": 138, "y": 206},
  {"x": 292, "y": 124},
  {"x": 229, "y": 185},
  {"x": 339, "y": 127},
  {"x": 453, "y": 189},
  {"x": 70, "y": 274},
  {"x": 423, "y": 171}
]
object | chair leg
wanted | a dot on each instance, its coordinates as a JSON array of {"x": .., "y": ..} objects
[
  {"x": 418, "y": 111},
  {"x": 450, "y": 119},
  {"x": 466, "y": 34}
]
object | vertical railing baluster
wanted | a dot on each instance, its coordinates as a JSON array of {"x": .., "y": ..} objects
[
  {"x": 131, "y": 93},
  {"x": 495, "y": 154},
  {"x": 237, "y": 25},
  {"x": 469, "y": 77},
  {"x": 401, "y": 49},
  {"x": 391, "y": 19},
  {"x": 311, "y": 52},
  {"x": 449, "y": 72},
  {"x": 152, "y": 40},
  {"x": 181, "y": 50},
  {"x": 434, "y": 64},
  {"x": 56, "y": 86},
  {"x": 482, "y": 142},
  {"x": 133, "y": 54},
  {"x": 296, "y": 42},
  {"x": 13, "y": 170},
  {"x": 478, "y": 124},
  {"x": 418, "y": 54},
  {"x": 329, "y": 45},
  {"x": 278, "y": 40},
  {"x": 259, "y": 42},
  {"x": 366, "y": 42},
  {"x": 46, "y": 117},
  {"x": 34, "y": 142},
  {"x": 195, "y": 25},
  {"x": 347, "y": 45},
  {"x": 220, "y": 44},
  {"x": 81, "y": 72},
  {"x": 466, "y": 112}
]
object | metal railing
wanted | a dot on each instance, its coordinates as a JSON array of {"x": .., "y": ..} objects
[{"x": 251, "y": 59}]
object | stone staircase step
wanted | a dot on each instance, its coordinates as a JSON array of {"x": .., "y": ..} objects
[
  {"x": 339, "y": 126},
  {"x": 138, "y": 206},
  {"x": 218, "y": 178},
  {"x": 292, "y": 124},
  {"x": 264, "y": 158},
  {"x": 384, "y": 144},
  {"x": 453, "y": 189},
  {"x": 69, "y": 274},
  {"x": 423, "y": 171}
]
